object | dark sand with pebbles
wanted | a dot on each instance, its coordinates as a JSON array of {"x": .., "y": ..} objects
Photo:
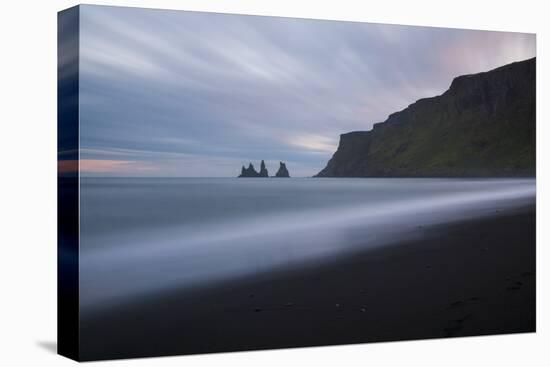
[{"x": 470, "y": 278}]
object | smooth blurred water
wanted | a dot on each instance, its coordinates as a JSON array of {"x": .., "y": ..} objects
[{"x": 140, "y": 236}]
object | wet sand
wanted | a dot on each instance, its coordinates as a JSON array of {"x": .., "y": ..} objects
[{"x": 475, "y": 277}]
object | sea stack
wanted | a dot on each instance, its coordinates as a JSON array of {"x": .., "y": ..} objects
[
  {"x": 283, "y": 171},
  {"x": 263, "y": 170},
  {"x": 249, "y": 172}
]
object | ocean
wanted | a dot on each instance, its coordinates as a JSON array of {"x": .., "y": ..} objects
[{"x": 143, "y": 236}]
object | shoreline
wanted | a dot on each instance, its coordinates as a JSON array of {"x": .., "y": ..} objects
[{"x": 475, "y": 277}]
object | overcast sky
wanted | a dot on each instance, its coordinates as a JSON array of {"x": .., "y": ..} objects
[{"x": 174, "y": 93}]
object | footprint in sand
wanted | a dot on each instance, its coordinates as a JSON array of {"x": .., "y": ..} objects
[
  {"x": 456, "y": 304},
  {"x": 461, "y": 303},
  {"x": 516, "y": 285},
  {"x": 456, "y": 325}
]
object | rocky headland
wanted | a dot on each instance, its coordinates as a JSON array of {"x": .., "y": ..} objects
[{"x": 482, "y": 126}]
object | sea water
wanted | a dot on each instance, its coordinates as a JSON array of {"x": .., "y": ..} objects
[{"x": 142, "y": 236}]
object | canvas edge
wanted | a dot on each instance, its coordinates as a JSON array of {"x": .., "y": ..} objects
[{"x": 68, "y": 338}]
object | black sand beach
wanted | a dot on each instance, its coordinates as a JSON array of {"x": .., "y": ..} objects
[{"x": 471, "y": 278}]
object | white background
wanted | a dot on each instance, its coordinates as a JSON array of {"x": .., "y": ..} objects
[{"x": 28, "y": 183}]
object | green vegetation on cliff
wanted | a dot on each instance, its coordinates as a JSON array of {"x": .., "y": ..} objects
[{"x": 483, "y": 125}]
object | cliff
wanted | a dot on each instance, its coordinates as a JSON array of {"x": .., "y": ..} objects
[{"x": 483, "y": 125}]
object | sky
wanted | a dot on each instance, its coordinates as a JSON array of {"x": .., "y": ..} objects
[{"x": 191, "y": 94}]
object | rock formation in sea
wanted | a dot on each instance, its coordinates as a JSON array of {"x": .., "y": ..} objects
[
  {"x": 283, "y": 171},
  {"x": 249, "y": 172},
  {"x": 263, "y": 170},
  {"x": 483, "y": 125}
]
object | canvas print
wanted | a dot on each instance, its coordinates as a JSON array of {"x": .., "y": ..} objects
[{"x": 235, "y": 182}]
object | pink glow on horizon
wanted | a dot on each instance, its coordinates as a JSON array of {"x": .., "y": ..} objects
[
  {"x": 100, "y": 166},
  {"x": 67, "y": 166}
]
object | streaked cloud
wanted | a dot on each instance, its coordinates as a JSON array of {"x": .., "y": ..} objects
[
  {"x": 315, "y": 143},
  {"x": 199, "y": 94}
]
